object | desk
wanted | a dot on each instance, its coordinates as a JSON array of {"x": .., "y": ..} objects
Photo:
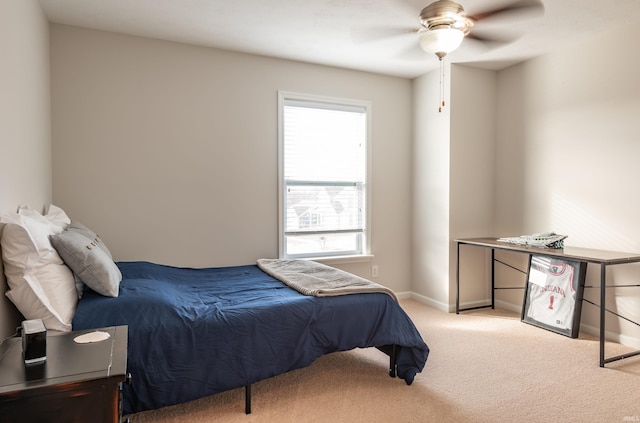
[{"x": 601, "y": 258}]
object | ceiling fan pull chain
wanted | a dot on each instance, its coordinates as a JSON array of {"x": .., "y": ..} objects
[{"x": 441, "y": 86}]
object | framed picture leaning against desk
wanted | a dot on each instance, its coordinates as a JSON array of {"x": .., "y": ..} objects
[{"x": 553, "y": 294}]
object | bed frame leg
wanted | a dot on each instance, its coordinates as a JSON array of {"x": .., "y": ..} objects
[
  {"x": 392, "y": 361},
  {"x": 247, "y": 399}
]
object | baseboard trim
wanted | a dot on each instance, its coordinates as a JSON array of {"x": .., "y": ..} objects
[
  {"x": 618, "y": 338},
  {"x": 426, "y": 301},
  {"x": 627, "y": 340}
]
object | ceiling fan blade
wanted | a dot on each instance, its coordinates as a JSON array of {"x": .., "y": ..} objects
[
  {"x": 528, "y": 7},
  {"x": 490, "y": 42},
  {"x": 413, "y": 53},
  {"x": 367, "y": 35}
]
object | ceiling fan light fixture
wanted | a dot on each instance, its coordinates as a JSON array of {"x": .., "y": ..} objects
[{"x": 441, "y": 41}]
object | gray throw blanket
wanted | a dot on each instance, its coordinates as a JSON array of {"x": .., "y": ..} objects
[{"x": 319, "y": 280}]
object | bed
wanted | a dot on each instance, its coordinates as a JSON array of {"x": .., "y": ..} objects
[{"x": 197, "y": 332}]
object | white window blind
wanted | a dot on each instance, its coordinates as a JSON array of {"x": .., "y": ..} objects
[{"x": 323, "y": 177}]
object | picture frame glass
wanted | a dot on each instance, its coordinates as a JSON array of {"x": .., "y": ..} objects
[{"x": 553, "y": 294}]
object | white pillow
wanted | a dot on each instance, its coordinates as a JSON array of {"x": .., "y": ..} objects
[{"x": 40, "y": 285}]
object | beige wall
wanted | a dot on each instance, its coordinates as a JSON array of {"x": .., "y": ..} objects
[
  {"x": 25, "y": 142},
  {"x": 453, "y": 179},
  {"x": 170, "y": 151},
  {"x": 430, "y": 193},
  {"x": 567, "y": 157},
  {"x": 472, "y": 196}
]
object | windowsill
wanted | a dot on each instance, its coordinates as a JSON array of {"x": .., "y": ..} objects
[{"x": 363, "y": 258}]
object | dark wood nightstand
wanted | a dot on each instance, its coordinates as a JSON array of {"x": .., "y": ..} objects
[{"x": 77, "y": 383}]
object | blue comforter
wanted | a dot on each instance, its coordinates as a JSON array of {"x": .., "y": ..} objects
[{"x": 196, "y": 332}]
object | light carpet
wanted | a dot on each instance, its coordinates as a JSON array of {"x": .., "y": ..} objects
[{"x": 484, "y": 366}]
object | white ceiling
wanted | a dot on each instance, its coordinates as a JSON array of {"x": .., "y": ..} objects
[{"x": 342, "y": 32}]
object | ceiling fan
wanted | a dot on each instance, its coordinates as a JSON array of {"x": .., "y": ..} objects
[{"x": 444, "y": 23}]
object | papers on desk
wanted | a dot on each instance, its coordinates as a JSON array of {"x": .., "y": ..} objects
[{"x": 544, "y": 240}]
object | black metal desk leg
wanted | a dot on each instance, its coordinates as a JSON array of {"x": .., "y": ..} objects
[
  {"x": 603, "y": 308},
  {"x": 493, "y": 279},
  {"x": 457, "y": 278}
]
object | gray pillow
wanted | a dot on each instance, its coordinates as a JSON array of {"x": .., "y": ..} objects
[
  {"x": 79, "y": 227},
  {"x": 88, "y": 261}
]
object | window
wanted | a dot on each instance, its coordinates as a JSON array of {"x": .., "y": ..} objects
[{"x": 324, "y": 190}]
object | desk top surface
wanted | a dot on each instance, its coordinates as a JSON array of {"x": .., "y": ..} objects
[{"x": 575, "y": 253}]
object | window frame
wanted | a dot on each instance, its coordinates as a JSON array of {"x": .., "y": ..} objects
[{"x": 283, "y": 97}]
